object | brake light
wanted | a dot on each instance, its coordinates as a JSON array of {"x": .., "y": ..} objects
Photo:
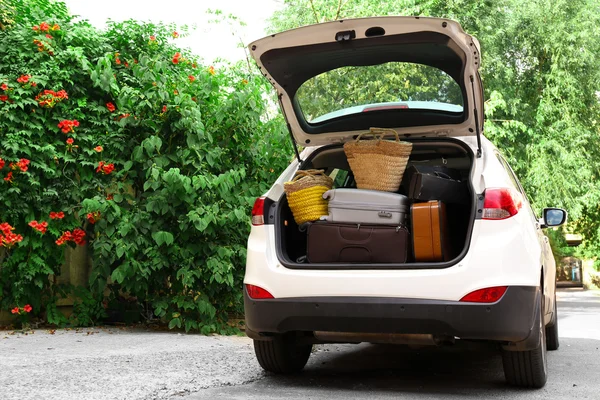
[
  {"x": 487, "y": 295},
  {"x": 391, "y": 107},
  {"x": 501, "y": 203},
  {"x": 258, "y": 212},
  {"x": 256, "y": 292}
]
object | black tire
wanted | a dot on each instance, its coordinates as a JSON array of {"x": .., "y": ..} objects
[
  {"x": 529, "y": 368},
  {"x": 282, "y": 355},
  {"x": 552, "y": 342}
]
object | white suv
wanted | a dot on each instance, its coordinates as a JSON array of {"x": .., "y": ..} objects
[{"x": 418, "y": 76}]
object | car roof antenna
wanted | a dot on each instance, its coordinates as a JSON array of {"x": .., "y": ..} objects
[
  {"x": 289, "y": 129},
  {"x": 477, "y": 130}
]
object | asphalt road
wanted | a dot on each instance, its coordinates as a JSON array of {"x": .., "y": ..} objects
[
  {"x": 135, "y": 364},
  {"x": 468, "y": 370}
]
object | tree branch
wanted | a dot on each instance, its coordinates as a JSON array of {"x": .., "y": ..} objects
[
  {"x": 337, "y": 14},
  {"x": 312, "y": 5}
]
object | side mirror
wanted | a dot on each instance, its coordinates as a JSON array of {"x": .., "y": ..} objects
[{"x": 553, "y": 217}]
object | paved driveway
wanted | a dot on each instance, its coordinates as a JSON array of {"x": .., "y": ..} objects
[{"x": 124, "y": 364}]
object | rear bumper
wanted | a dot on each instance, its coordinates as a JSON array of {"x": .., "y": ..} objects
[{"x": 509, "y": 320}]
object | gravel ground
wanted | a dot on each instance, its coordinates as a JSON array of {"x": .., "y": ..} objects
[{"x": 114, "y": 363}]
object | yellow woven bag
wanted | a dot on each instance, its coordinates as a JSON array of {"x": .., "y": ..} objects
[{"x": 305, "y": 195}]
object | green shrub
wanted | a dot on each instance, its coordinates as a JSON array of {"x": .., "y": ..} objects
[{"x": 159, "y": 170}]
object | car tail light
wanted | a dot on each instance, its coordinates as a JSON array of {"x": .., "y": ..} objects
[
  {"x": 258, "y": 212},
  {"x": 501, "y": 203},
  {"x": 487, "y": 295},
  {"x": 256, "y": 292}
]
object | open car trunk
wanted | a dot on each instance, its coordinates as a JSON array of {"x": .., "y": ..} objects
[{"x": 291, "y": 241}]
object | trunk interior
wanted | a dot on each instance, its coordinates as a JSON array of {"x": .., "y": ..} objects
[{"x": 292, "y": 242}]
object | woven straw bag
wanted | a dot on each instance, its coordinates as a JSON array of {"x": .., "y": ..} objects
[
  {"x": 305, "y": 195},
  {"x": 378, "y": 164}
]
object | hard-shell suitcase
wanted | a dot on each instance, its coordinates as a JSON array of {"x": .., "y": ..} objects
[
  {"x": 356, "y": 243},
  {"x": 429, "y": 232},
  {"x": 366, "y": 207},
  {"x": 435, "y": 183}
]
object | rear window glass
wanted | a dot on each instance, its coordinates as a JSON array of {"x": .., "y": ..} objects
[{"x": 395, "y": 85}]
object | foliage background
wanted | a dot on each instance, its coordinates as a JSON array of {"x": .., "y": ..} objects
[{"x": 192, "y": 148}]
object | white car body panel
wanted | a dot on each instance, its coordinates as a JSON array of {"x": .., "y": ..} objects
[
  {"x": 326, "y": 32},
  {"x": 501, "y": 253}
]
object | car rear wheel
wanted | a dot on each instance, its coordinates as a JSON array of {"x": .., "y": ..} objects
[
  {"x": 528, "y": 368},
  {"x": 282, "y": 355},
  {"x": 552, "y": 341}
]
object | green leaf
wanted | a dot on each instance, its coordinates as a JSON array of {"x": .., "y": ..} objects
[
  {"x": 175, "y": 322},
  {"x": 163, "y": 237}
]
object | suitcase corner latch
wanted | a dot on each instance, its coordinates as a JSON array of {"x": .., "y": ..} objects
[{"x": 385, "y": 214}]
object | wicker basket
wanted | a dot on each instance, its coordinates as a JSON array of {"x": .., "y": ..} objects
[
  {"x": 305, "y": 195},
  {"x": 378, "y": 164}
]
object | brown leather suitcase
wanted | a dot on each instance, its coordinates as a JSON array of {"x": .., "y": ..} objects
[
  {"x": 429, "y": 232},
  {"x": 356, "y": 243}
]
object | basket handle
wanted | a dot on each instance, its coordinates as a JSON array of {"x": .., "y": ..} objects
[
  {"x": 307, "y": 172},
  {"x": 383, "y": 131},
  {"x": 379, "y": 133}
]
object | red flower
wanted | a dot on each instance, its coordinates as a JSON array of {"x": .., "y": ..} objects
[
  {"x": 6, "y": 228},
  {"x": 194, "y": 65},
  {"x": 2, "y": 162},
  {"x": 124, "y": 116},
  {"x": 27, "y": 308},
  {"x": 23, "y": 78},
  {"x": 93, "y": 217},
  {"x": 22, "y": 164},
  {"x": 110, "y": 106},
  {"x": 245, "y": 81},
  {"x": 152, "y": 37},
  {"x": 55, "y": 27},
  {"x": 44, "y": 27},
  {"x": 78, "y": 236},
  {"x": 36, "y": 28},
  {"x": 109, "y": 197},
  {"x": 4, "y": 86},
  {"x": 118, "y": 61},
  {"x": 33, "y": 84},
  {"x": 3, "y": 97},
  {"x": 65, "y": 237},
  {"x": 175, "y": 34},
  {"x": 10, "y": 238},
  {"x": 15, "y": 310},
  {"x": 9, "y": 177},
  {"x": 70, "y": 141},
  {"x": 164, "y": 109},
  {"x": 105, "y": 168},
  {"x": 67, "y": 125},
  {"x": 98, "y": 149},
  {"x": 49, "y": 36},
  {"x": 192, "y": 78},
  {"x": 57, "y": 215},
  {"x": 211, "y": 70},
  {"x": 41, "y": 227},
  {"x": 176, "y": 58},
  {"x": 48, "y": 98}
]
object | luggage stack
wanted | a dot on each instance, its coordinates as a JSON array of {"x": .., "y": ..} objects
[{"x": 375, "y": 226}]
